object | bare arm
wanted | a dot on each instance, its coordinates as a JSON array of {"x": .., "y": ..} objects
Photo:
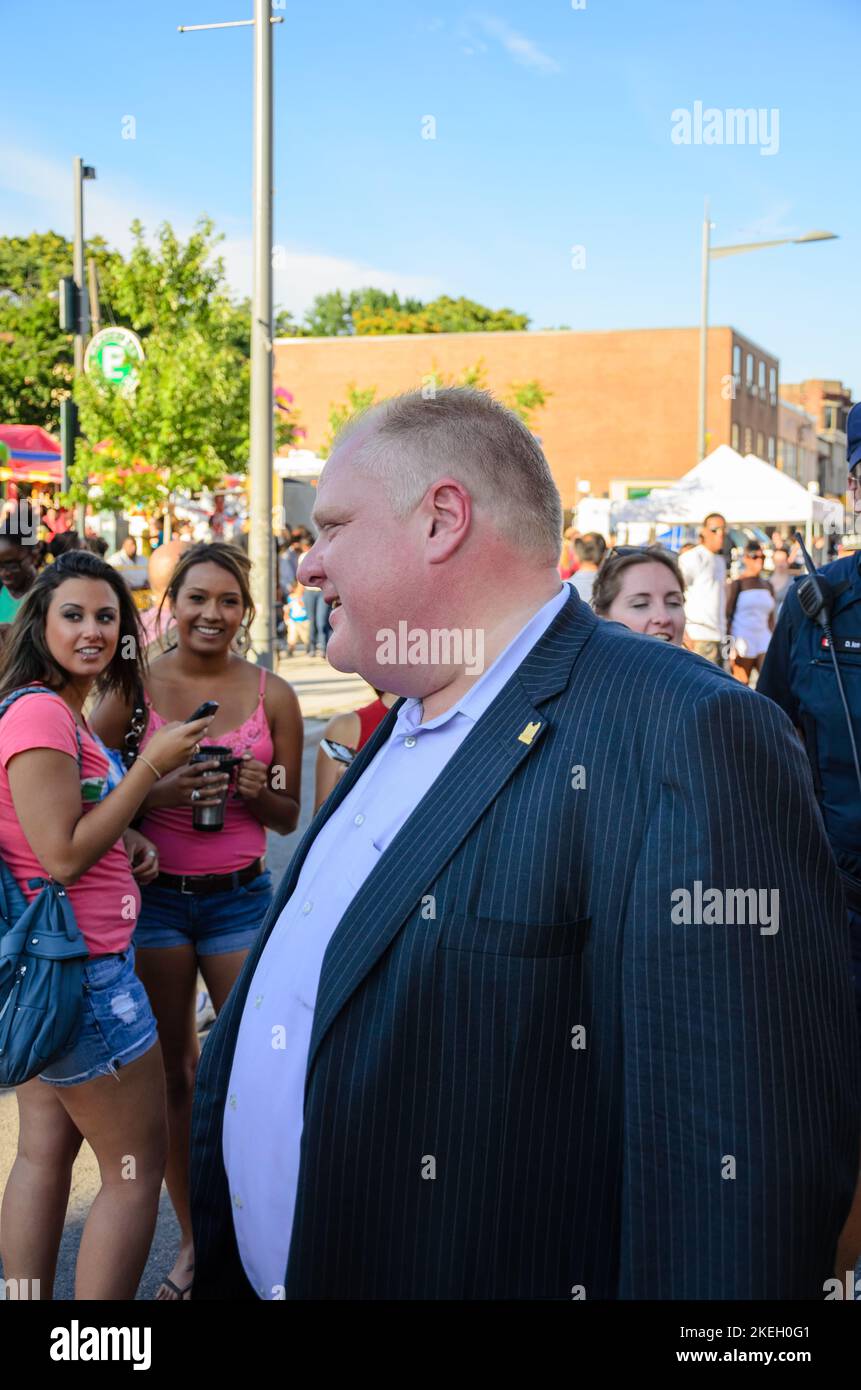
[
  {"x": 343, "y": 728},
  {"x": 272, "y": 794},
  {"x": 68, "y": 841}
]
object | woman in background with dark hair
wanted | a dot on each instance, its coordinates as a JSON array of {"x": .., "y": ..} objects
[
  {"x": 750, "y": 605},
  {"x": 206, "y": 906},
  {"x": 77, "y": 631}
]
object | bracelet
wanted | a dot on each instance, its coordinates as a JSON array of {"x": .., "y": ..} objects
[{"x": 151, "y": 766}]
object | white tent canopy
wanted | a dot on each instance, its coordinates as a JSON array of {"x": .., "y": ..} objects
[{"x": 745, "y": 490}]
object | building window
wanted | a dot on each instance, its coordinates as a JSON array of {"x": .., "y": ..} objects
[
  {"x": 772, "y": 385},
  {"x": 748, "y": 440},
  {"x": 736, "y": 365},
  {"x": 760, "y": 444},
  {"x": 830, "y": 414},
  {"x": 748, "y": 373},
  {"x": 735, "y": 437},
  {"x": 762, "y": 381},
  {"x": 771, "y": 448}
]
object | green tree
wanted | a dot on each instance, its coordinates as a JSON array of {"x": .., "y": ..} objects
[
  {"x": 524, "y": 398},
  {"x": 442, "y": 315},
  {"x": 35, "y": 357},
  {"x": 373, "y": 311},
  {"x": 186, "y": 423},
  {"x": 357, "y": 400}
]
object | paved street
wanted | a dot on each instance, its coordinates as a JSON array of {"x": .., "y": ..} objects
[{"x": 322, "y": 692}]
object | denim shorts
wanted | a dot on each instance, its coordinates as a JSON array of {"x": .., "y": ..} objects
[
  {"x": 117, "y": 1023},
  {"x": 213, "y": 923}
]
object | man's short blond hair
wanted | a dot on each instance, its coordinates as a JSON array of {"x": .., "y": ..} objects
[{"x": 411, "y": 440}]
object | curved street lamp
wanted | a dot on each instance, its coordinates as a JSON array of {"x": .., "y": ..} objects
[{"x": 710, "y": 252}]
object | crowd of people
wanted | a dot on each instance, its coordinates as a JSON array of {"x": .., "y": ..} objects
[
  {"x": 403, "y": 1013},
  {"x": 688, "y": 598}
]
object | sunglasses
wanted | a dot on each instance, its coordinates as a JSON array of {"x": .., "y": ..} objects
[
  {"x": 715, "y": 530},
  {"x": 756, "y": 555}
]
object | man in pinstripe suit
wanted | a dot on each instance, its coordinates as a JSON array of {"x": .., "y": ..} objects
[{"x": 507, "y": 1032}]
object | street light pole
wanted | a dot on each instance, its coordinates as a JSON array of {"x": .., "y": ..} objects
[
  {"x": 260, "y": 547},
  {"x": 710, "y": 253},
  {"x": 80, "y": 171},
  {"x": 78, "y": 264},
  {"x": 261, "y": 550},
  {"x": 704, "y": 332}
]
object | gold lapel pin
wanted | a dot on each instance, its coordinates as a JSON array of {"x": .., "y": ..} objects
[{"x": 528, "y": 733}]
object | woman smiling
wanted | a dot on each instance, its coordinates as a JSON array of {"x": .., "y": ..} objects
[
  {"x": 205, "y": 908},
  {"x": 76, "y": 631}
]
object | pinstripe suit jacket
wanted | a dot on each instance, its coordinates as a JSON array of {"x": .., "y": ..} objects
[{"x": 524, "y": 1080}]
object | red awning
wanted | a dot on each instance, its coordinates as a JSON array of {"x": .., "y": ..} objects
[{"x": 34, "y": 455}]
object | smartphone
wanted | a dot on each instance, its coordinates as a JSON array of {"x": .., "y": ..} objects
[
  {"x": 203, "y": 711},
  {"x": 338, "y": 752}
]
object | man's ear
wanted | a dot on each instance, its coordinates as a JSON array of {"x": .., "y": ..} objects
[{"x": 450, "y": 507}]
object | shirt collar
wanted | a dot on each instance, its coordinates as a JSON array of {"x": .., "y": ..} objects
[{"x": 480, "y": 696}]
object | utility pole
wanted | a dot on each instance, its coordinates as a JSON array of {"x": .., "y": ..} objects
[
  {"x": 704, "y": 335},
  {"x": 95, "y": 307},
  {"x": 80, "y": 171},
  {"x": 261, "y": 548}
]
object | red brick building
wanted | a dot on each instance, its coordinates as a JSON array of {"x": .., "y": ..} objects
[{"x": 621, "y": 409}]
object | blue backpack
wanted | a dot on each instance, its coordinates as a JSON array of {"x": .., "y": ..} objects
[{"x": 42, "y": 954}]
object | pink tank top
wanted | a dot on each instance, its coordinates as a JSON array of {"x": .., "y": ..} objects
[{"x": 184, "y": 850}]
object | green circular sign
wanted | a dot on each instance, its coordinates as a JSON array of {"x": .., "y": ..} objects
[{"x": 113, "y": 354}]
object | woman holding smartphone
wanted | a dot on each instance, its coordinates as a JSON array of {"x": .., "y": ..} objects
[
  {"x": 205, "y": 908},
  {"x": 74, "y": 633}
]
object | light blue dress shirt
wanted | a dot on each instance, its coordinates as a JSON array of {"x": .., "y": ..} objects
[{"x": 263, "y": 1116}]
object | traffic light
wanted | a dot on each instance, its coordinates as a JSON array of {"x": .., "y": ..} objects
[
  {"x": 68, "y": 305},
  {"x": 68, "y": 434}
]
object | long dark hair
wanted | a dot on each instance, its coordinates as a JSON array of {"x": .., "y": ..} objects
[
  {"x": 229, "y": 558},
  {"x": 26, "y": 659}
]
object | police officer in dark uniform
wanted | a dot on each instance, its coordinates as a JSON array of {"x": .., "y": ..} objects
[{"x": 798, "y": 675}]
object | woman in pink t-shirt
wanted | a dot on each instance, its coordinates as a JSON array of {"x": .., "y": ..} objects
[
  {"x": 76, "y": 631},
  {"x": 205, "y": 908}
]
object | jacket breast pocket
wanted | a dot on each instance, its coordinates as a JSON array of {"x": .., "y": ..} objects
[{"x": 532, "y": 940}]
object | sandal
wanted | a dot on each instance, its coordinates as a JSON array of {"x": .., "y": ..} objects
[{"x": 174, "y": 1288}]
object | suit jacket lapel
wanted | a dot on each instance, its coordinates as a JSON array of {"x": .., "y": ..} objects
[{"x": 506, "y": 734}]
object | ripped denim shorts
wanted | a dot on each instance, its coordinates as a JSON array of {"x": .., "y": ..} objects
[{"x": 117, "y": 1023}]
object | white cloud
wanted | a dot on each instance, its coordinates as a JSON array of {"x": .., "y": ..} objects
[
  {"x": 769, "y": 226},
  {"x": 299, "y": 275},
  {"x": 36, "y": 193},
  {"x": 523, "y": 50}
]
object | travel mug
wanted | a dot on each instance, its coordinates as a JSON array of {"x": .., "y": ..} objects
[{"x": 210, "y": 815}]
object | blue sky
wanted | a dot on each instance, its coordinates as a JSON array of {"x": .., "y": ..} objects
[{"x": 553, "y": 130}]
